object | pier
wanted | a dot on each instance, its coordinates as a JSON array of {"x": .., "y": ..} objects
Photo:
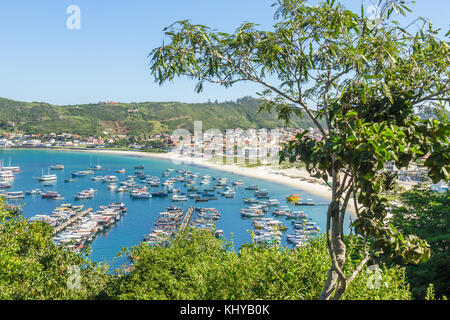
[
  {"x": 67, "y": 223},
  {"x": 186, "y": 219}
]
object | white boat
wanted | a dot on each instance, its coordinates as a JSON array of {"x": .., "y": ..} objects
[
  {"x": 177, "y": 197},
  {"x": 12, "y": 168},
  {"x": 57, "y": 167},
  {"x": 15, "y": 195},
  {"x": 47, "y": 177}
]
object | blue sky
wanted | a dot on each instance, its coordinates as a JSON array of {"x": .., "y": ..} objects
[{"x": 42, "y": 60}]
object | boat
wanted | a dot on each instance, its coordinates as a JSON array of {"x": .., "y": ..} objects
[
  {"x": 120, "y": 171},
  {"x": 34, "y": 191},
  {"x": 47, "y": 177},
  {"x": 293, "y": 197},
  {"x": 160, "y": 194},
  {"x": 82, "y": 173},
  {"x": 252, "y": 187},
  {"x": 304, "y": 203},
  {"x": 50, "y": 195},
  {"x": 139, "y": 167},
  {"x": 251, "y": 200},
  {"x": 122, "y": 189},
  {"x": 5, "y": 184},
  {"x": 85, "y": 194},
  {"x": 262, "y": 194},
  {"x": 11, "y": 168},
  {"x": 177, "y": 197},
  {"x": 112, "y": 186},
  {"x": 110, "y": 179},
  {"x": 15, "y": 195},
  {"x": 57, "y": 167},
  {"x": 69, "y": 180},
  {"x": 271, "y": 202}
]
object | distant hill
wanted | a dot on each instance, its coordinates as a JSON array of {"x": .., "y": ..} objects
[{"x": 136, "y": 118}]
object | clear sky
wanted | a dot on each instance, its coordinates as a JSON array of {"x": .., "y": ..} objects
[{"x": 106, "y": 59}]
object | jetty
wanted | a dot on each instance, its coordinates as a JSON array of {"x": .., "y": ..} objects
[
  {"x": 186, "y": 219},
  {"x": 70, "y": 221}
]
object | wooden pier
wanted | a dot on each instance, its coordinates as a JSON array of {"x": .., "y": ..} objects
[
  {"x": 71, "y": 221},
  {"x": 186, "y": 219}
]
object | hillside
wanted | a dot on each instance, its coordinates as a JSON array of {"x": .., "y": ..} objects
[{"x": 135, "y": 118}]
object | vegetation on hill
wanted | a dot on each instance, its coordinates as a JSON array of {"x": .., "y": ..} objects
[{"x": 136, "y": 118}]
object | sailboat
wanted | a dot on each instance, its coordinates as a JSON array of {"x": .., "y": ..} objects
[
  {"x": 12, "y": 168},
  {"x": 96, "y": 167},
  {"x": 47, "y": 177}
]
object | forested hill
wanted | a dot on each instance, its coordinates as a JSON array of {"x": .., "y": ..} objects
[{"x": 135, "y": 118}]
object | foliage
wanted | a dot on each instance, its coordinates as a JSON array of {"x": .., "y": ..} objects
[
  {"x": 426, "y": 214},
  {"x": 200, "y": 266}
]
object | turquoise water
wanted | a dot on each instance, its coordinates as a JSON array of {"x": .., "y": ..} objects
[{"x": 141, "y": 213}]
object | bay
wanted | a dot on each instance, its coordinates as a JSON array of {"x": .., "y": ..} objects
[{"x": 142, "y": 213}]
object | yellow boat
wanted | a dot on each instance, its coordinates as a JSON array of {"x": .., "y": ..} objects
[{"x": 293, "y": 197}]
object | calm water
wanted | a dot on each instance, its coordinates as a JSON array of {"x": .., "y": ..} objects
[{"x": 141, "y": 213}]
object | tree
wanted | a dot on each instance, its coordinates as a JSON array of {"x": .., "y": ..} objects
[
  {"x": 426, "y": 213},
  {"x": 362, "y": 77}
]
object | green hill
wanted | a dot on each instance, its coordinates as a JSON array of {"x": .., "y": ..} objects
[{"x": 135, "y": 118}]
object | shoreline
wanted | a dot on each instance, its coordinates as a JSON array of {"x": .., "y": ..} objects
[{"x": 275, "y": 175}]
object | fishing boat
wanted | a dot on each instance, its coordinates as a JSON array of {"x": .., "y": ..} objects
[
  {"x": 110, "y": 179},
  {"x": 160, "y": 194},
  {"x": 82, "y": 173},
  {"x": 252, "y": 187},
  {"x": 112, "y": 186},
  {"x": 262, "y": 194},
  {"x": 69, "y": 180},
  {"x": 12, "y": 168},
  {"x": 251, "y": 200},
  {"x": 120, "y": 171},
  {"x": 50, "y": 195},
  {"x": 238, "y": 183},
  {"x": 139, "y": 167},
  {"x": 293, "y": 197},
  {"x": 271, "y": 202},
  {"x": 15, "y": 195},
  {"x": 47, "y": 177},
  {"x": 85, "y": 194},
  {"x": 140, "y": 194},
  {"x": 7, "y": 175},
  {"x": 177, "y": 197},
  {"x": 122, "y": 189},
  {"x": 5, "y": 184},
  {"x": 57, "y": 167},
  {"x": 34, "y": 191}
]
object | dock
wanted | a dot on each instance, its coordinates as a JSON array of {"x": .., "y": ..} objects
[
  {"x": 186, "y": 219},
  {"x": 70, "y": 221}
]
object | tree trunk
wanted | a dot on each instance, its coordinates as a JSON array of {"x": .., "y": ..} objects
[{"x": 338, "y": 248}]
